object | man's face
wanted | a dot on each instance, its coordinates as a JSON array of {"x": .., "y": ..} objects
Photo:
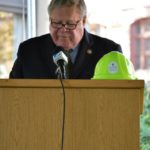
[{"x": 66, "y": 36}]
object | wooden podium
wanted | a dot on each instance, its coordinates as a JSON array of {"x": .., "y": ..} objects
[{"x": 99, "y": 114}]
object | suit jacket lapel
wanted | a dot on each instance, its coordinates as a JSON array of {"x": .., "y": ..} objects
[
  {"x": 83, "y": 54},
  {"x": 47, "y": 50}
]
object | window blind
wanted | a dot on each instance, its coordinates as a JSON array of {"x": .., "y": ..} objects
[{"x": 14, "y": 6}]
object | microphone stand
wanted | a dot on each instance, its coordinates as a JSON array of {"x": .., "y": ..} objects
[
  {"x": 62, "y": 72},
  {"x": 59, "y": 73}
]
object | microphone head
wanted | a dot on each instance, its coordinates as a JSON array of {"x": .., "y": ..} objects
[
  {"x": 61, "y": 61},
  {"x": 60, "y": 57}
]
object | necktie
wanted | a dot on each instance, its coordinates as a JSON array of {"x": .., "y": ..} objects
[{"x": 70, "y": 64}]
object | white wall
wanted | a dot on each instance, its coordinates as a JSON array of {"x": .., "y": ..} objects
[{"x": 42, "y": 18}]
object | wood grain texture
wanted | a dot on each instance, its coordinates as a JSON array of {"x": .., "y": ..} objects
[{"x": 97, "y": 117}]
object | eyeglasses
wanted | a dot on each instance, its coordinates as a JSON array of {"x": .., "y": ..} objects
[{"x": 67, "y": 26}]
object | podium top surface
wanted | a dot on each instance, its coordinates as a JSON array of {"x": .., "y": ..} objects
[{"x": 72, "y": 83}]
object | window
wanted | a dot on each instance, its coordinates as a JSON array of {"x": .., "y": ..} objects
[
  {"x": 140, "y": 43},
  {"x": 13, "y": 25},
  {"x": 147, "y": 26},
  {"x": 138, "y": 29},
  {"x": 147, "y": 44},
  {"x": 148, "y": 62},
  {"x": 6, "y": 42}
]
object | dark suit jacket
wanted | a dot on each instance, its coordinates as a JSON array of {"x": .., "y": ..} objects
[{"x": 35, "y": 57}]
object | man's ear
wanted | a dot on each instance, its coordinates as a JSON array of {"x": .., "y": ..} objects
[{"x": 84, "y": 20}]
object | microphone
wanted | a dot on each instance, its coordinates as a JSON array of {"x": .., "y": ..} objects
[{"x": 61, "y": 61}]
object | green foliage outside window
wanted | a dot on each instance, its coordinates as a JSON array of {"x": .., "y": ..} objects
[
  {"x": 6, "y": 43},
  {"x": 6, "y": 36},
  {"x": 145, "y": 120}
]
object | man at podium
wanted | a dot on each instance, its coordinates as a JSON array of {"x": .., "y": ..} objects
[{"x": 37, "y": 57}]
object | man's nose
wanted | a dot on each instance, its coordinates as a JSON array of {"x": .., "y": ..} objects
[{"x": 63, "y": 28}]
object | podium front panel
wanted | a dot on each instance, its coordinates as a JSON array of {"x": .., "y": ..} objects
[{"x": 99, "y": 115}]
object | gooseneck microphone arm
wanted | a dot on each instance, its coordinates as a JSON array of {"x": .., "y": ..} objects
[{"x": 61, "y": 71}]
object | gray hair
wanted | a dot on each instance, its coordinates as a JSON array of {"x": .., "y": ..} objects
[{"x": 80, "y": 4}]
